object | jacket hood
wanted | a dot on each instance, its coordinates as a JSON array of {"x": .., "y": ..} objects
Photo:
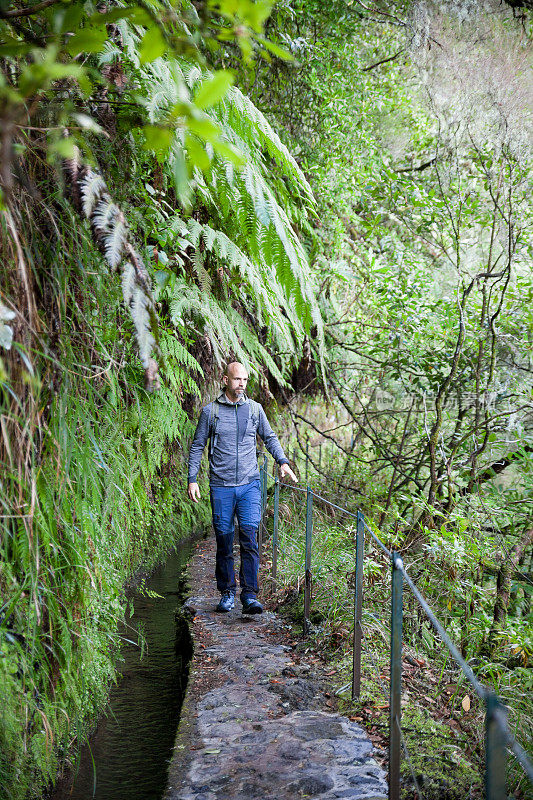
[{"x": 224, "y": 400}]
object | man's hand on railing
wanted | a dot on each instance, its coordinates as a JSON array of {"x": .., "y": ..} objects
[
  {"x": 286, "y": 470},
  {"x": 194, "y": 492}
]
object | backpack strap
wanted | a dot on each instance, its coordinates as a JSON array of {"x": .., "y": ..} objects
[
  {"x": 213, "y": 425},
  {"x": 254, "y": 411}
]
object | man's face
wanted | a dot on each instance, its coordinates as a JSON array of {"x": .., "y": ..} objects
[{"x": 235, "y": 382}]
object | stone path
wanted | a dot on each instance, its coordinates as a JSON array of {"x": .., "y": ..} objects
[{"x": 253, "y": 724}]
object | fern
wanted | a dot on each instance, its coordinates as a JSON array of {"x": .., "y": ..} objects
[
  {"x": 114, "y": 240},
  {"x": 249, "y": 227},
  {"x": 111, "y": 233},
  {"x": 251, "y": 213},
  {"x": 250, "y": 285},
  {"x": 128, "y": 282},
  {"x": 92, "y": 187},
  {"x": 140, "y": 312}
]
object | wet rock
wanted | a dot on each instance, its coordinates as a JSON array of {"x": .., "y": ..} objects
[
  {"x": 311, "y": 785},
  {"x": 189, "y": 608},
  {"x": 319, "y": 729},
  {"x": 297, "y": 693}
]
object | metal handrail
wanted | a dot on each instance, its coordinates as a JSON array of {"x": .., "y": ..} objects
[{"x": 498, "y": 737}]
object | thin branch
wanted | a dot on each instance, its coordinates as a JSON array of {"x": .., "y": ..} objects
[
  {"x": 420, "y": 168},
  {"x": 384, "y": 60},
  {"x": 27, "y": 12}
]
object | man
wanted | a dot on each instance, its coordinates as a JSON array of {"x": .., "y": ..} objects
[{"x": 231, "y": 423}]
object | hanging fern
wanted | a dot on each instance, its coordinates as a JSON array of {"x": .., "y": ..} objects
[
  {"x": 93, "y": 201},
  {"x": 251, "y": 209}
]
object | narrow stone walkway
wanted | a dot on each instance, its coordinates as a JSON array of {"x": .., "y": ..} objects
[{"x": 253, "y": 725}]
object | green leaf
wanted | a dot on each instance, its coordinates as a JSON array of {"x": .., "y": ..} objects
[
  {"x": 212, "y": 90},
  {"x": 85, "y": 84},
  {"x": 123, "y": 12},
  {"x": 181, "y": 178},
  {"x": 158, "y": 139},
  {"x": 40, "y": 74},
  {"x": 152, "y": 46},
  {"x": 253, "y": 12},
  {"x": 197, "y": 154},
  {"x": 229, "y": 152},
  {"x": 140, "y": 16},
  {"x": 14, "y": 47},
  {"x": 63, "y": 148},
  {"x": 162, "y": 277},
  {"x": 205, "y": 128},
  {"x": 88, "y": 40},
  {"x": 69, "y": 18},
  {"x": 275, "y": 49}
]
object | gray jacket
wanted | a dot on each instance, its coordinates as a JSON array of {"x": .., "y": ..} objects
[{"x": 233, "y": 457}]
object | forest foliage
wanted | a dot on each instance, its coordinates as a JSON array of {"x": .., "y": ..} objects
[
  {"x": 123, "y": 151},
  {"x": 338, "y": 196},
  {"x": 423, "y": 179}
]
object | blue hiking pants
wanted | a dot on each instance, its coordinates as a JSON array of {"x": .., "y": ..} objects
[{"x": 243, "y": 502}]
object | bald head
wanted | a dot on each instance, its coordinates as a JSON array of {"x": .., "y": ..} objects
[
  {"x": 232, "y": 367},
  {"x": 235, "y": 379}
]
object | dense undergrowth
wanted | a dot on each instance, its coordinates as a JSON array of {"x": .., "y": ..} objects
[
  {"x": 107, "y": 500},
  {"x": 442, "y": 719}
]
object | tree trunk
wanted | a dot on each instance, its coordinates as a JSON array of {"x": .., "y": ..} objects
[{"x": 503, "y": 585}]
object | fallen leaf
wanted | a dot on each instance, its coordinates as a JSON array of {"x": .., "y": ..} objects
[{"x": 466, "y": 703}]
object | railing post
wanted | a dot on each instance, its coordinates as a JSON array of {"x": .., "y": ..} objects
[
  {"x": 265, "y": 481},
  {"x": 260, "y": 529},
  {"x": 395, "y": 678},
  {"x": 275, "y": 533},
  {"x": 495, "y": 749},
  {"x": 358, "y": 605},
  {"x": 308, "y": 576},
  {"x": 263, "y": 474},
  {"x": 306, "y": 458}
]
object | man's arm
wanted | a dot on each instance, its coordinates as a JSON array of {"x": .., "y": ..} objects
[
  {"x": 273, "y": 445},
  {"x": 199, "y": 441}
]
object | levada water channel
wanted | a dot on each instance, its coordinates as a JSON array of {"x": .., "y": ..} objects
[{"x": 128, "y": 755}]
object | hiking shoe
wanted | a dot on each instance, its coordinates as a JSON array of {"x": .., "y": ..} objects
[
  {"x": 250, "y": 605},
  {"x": 227, "y": 602}
]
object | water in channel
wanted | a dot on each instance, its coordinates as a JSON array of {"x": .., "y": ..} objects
[{"x": 128, "y": 755}]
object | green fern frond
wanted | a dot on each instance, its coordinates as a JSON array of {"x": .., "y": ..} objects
[
  {"x": 171, "y": 347},
  {"x": 251, "y": 210},
  {"x": 241, "y": 115}
]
